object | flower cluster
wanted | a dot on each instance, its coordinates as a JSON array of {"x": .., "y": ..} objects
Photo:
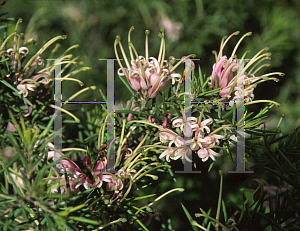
[
  {"x": 199, "y": 139},
  {"x": 235, "y": 79},
  {"x": 94, "y": 176},
  {"x": 148, "y": 74},
  {"x": 26, "y": 81},
  {"x": 90, "y": 177}
]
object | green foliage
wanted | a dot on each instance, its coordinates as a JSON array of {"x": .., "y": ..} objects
[{"x": 37, "y": 193}]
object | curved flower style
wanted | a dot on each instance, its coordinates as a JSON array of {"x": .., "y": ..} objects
[
  {"x": 149, "y": 74},
  {"x": 29, "y": 75},
  {"x": 174, "y": 153},
  {"x": 233, "y": 79},
  {"x": 205, "y": 144},
  {"x": 114, "y": 185},
  {"x": 202, "y": 126},
  {"x": 169, "y": 136},
  {"x": 29, "y": 82},
  {"x": 187, "y": 126},
  {"x": 23, "y": 51}
]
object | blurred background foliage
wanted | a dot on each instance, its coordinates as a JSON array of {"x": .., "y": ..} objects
[{"x": 196, "y": 27}]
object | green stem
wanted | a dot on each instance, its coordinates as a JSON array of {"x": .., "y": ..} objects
[
  {"x": 181, "y": 61},
  {"x": 252, "y": 194},
  {"x": 147, "y": 32},
  {"x": 140, "y": 63},
  {"x": 65, "y": 111},
  {"x": 120, "y": 142},
  {"x": 79, "y": 92},
  {"x": 130, "y": 50},
  {"x": 42, "y": 50},
  {"x": 220, "y": 198}
]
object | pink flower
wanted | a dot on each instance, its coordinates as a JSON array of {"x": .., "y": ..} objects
[
  {"x": 167, "y": 153},
  {"x": 210, "y": 140},
  {"x": 232, "y": 74},
  {"x": 226, "y": 75},
  {"x": 187, "y": 126},
  {"x": 168, "y": 135},
  {"x": 205, "y": 153},
  {"x": 114, "y": 185},
  {"x": 147, "y": 75},
  {"x": 174, "y": 154},
  {"x": 79, "y": 178},
  {"x": 11, "y": 127},
  {"x": 203, "y": 126},
  {"x": 165, "y": 137},
  {"x": 199, "y": 141}
]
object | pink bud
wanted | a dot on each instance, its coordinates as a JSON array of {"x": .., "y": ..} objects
[
  {"x": 10, "y": 127},
  {"x": 135, "y": 84},
  {"x": 86, "y": 161},
  {"x": 192, "y": 63},
  {"x": 100, "y": 166}
]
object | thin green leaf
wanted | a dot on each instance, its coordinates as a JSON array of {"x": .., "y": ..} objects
[
  {"x": 189, "y": 218},
  {"x": 288, "y": 180},
  {"x": 85, "y": 220},
  {"x": 289, "y": 163},
  {"x": 127, "y": 85},
  {"x": 224, "y": 210},
  {"x": 103, "y": 96},
  {"x": 143, "y": 197},
  {"x": 206, "y": 218},
  {"x": 210, "y": 166}
]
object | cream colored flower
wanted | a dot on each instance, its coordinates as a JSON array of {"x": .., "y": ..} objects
[
  {"x": 205, "y": 153},
  {"x": 23, "y": 88},
  {"x": 187, "y": 126}
]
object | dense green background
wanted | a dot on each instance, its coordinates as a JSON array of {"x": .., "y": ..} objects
[{"x": 94, "y": 24}]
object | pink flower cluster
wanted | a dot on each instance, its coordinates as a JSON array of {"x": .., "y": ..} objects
[
  {"x": 224, "y": 69},
  {"x": 198, "y": 140},
  {"x": 147, "y": 75},
  {"x": 94, "y": 176},
  {"x": 150, "y": 76},
  {"x": 235, "y": 77}
]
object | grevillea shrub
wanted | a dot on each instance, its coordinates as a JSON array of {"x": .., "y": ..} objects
[{"x": 76, "y": 188}]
